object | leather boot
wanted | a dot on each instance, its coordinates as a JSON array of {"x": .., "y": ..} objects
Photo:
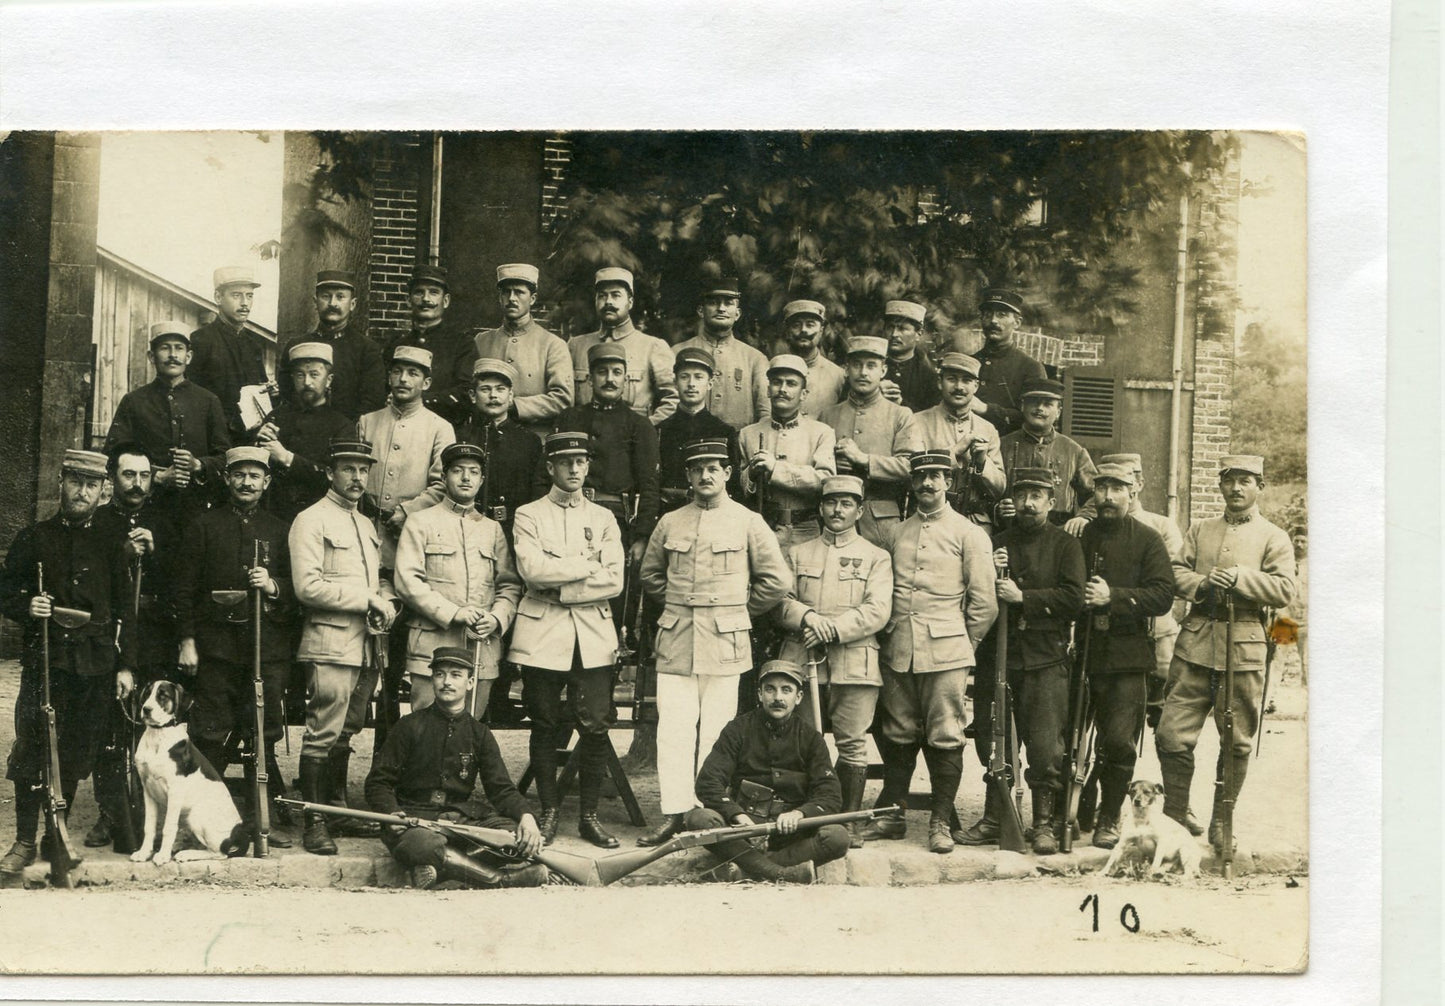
[
  {"x": 759, "y": 867},
  {"x": 1113, "y": 783},
  {"x": 1216, "y": 818},
  {"x": 590, "y": 828},
  {"x": 339, "y": 764},
  {"x": 945, "y": 769},
  {"x": 456, "y": 866},
  {"x": 12, "y": 866},
  {"x": 1044, "y": 843},
  {"x": 671, "y": 825},
  {"x": 898, "y": 763},
  {"x": 547, "y": 823},
  {"x": 1177, "y": 768},
  {"x": 315, "y": 775},
  {"x": 852, "y": 779},
  {"x": 985, "y": 830},
  {"x": 99, "y": 833}
]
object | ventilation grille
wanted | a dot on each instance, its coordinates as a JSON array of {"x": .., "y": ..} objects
[{"x": 1092, "y": 408}]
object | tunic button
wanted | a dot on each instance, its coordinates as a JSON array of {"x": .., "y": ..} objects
[
  {"x": 514, "y": 339},
  {"x": 396, "y": 447}
]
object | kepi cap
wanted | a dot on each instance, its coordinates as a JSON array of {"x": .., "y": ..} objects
[
  {"x": 1122, "y": 474},
  {"x": 1133, "y": 462},
  {"x": 613, "y": 274},
  {"x": 906, "y": 309},
  {"x": 170, "y": 330},
  {"x": 311, "y": 351},
  {"x": 248, "y": 455},
  {"x": 518, "y": 272},
  {"x": 603, "y": 351},
  {"x": 692, "y": 356},
  {"x": 786, "y": 668},
  {"x": 336, "y": 277},
  {"x": 412, "y": 354},
  {"x": 926, "y": 461},
  {"x": 961, "y": 362},
  {"x": 491, "y": 365},
  {"x": 1040, "y": 478},
  {"x": 567, "y": 443},
  {"x": 868, "y": 345},
  {"x": 234, "y": 275},
  {"x": 91, "y": 464},
  {"x": 812, "y": 307},
  {"x": 842, "y": 485},
  {"x": 435, "y": 274},
  {"x": 789, "y": 362},
  {"x": 706, "y": 450},
  {"x": 1251, "y": 463},
  {"x": 457, "y": 655},
  {"x": 1042, "y": 387},
  {"x": 461, "y": 451},
  {"x": 999, "y": 297},
  {"x": 351, "y": 447},
  {"x": 723, "y": 286}
]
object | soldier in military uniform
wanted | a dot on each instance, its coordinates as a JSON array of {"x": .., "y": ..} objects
[
  {"x": 1004, "y": 368},
  {"x": 693, "y": 371},
  {"x": 740, "y": 384},
  {"x": 841, "y": 600},
  {"x": 513, "y": 452},
  {"x": 542, "y": 387},
  {"x": 875, "y": 438},
  {"x": 219, "y": 553},
  {"x": 429, "y": 768},
  {"x": 569, "y": 554},
  {"x": 1243, "y": 555},
  {"x": 453, "y": 351},
  {"x": 299, "y": 433},
  {"x": 454, "y": 570},
  {"x": 953, "y": 426},
  {"x": 715, "y": 565},
  {"x": 623, "y": 473},
  {"x": 1039, "y": 445},
  {"x": 649, "y": 390},
  {"x": 943, "y": 604},
  {"x": 82, "y": 570},
  {"x": 227, "y": 358},
  {"x": 804, "y": 321},
  {"x": 1131, "y": 583},
  {"x": 336, "y": 573},
  {"x": 358, "y": 374},
  {"x": 788, "y": 456},
  {"x": 180, "y": 425},
  {"x": 910, "y": 379},
  {"x": 769, "y": 764},
  {"x": 1044, "y": 592}
]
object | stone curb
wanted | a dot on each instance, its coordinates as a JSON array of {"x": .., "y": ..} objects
[{"x": 876, "y": 865}]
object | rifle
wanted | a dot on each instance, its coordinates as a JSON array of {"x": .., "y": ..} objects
[
  {"x": 1226, "y": 747},
  {"x": 584, "y": 870},
  {"x": 375, "y": 655},
  {"x": 62, "y": 854},
  {"x": 259, "y": 796},
  {"x": 1000, "y": 772},
  {"x": 1076, "y": 769},
  {"x": 812, "y": 666}
]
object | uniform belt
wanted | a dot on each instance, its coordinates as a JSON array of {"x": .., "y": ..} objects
[
  {"x": 704, "y": 600},
  {"x": 600, "y": 497}
]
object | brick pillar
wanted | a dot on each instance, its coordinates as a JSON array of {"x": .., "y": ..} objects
[
  {"x": 394, "y": 236},
  {"x": 1213, "y": 381},
  {"x": 556, "y": 157}
]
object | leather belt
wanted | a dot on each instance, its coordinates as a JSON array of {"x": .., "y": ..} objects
[{"x": 600, "y": 497}]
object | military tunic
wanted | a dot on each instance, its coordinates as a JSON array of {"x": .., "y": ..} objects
[
  {"x": 358, "y": 381},
  {"x": 1002, "y": 373},
  {"x": 225, "y": 360},
  {"x": 789, "y": 758},
  {"x": 940, "y": 430},
  {"x": 740, "y": 382},
  {"x": 513, "y": 472},
  {"x": 160, "y": 417},
  {"x": 651, "y": 388},
  {"x": 803, "y": 449},
  {"x": 827, "y": 384},
  {"x": 307, "y": 433},
  {"x": 677, "y": 431},
  {"x": 624, "y": 461},
  {"x": 156, "y": 630},
  {"x": 1072, "y": 467},
  {"x": 917, "y": 381},
  {"x": 544, "y": 378},
  {"x": 408, "y": 474},
  {"x": 888, "y": 434},
  {"x": 453, "y": 351}
]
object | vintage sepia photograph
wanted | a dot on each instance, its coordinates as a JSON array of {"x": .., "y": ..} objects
[{"x": 587, "y": 539}]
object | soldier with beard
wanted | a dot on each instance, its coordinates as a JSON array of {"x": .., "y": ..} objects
[
  {"x": 227, "y": 358},
  {"x": 542, "y": 387},
  {"x": 358, "y": 375},
  {"x": 649, "y": 390},
  {"x": 298, "y": 435},
  {"x": 827, "y": 384},
  {"x": 453, "y": 351}
]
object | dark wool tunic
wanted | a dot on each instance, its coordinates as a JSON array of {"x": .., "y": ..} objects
[
  {"x": 159, "y": 417},
  {"x": 225, "y": 361},
  {"x": 217, "y": 549},
  {"x": 790, "y": 759},
  {"x": 1002, "y": 374},
  {"x": 513, "y": 475},
  {"x": 624, "y": 455},
  {"x": 306, "y": 433},
  {"x": 916, "y": 380},
  {"x": 1134, "y": 562},
  {"x": 682, "y": 428},
  {"x": 1048, "y": 566},
  {"x": 358, "y": 382},
  {"x": 453, "y": 351}
]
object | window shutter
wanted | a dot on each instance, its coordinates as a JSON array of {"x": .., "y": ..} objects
[{"x": 1091, "y": 408}]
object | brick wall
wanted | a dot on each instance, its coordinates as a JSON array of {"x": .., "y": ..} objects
[
  {"x": 394, "y": 237},
  {"x": 1082, "y": 351},
  {"x": 556, "y": 156}
]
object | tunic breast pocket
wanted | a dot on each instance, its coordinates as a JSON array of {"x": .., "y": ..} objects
[
  {"x": 728, "y": 557},
  {"x": 634, "y": 384},
  {"x": 338, "y": 556},
  {"x": 810, "y": 582},
  {"x": 440, "y": 562},
  {"x": 677, "y": 549},
  {"x": 580, "y": 378}
]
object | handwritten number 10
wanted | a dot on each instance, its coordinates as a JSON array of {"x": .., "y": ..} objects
[{"x": 1128, "y": 915}]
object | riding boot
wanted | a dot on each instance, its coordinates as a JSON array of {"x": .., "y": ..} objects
[
  {"x": 1044, "y": 842},
  {"x": 339, "y": 765},
  {"x": 985, "y": 830},
  {"x": 758, "y": 866},
  {"x": 315, "y": 779},
  {"x": 1177, "y": 768},
  {"x": 592, "y": 753},
  {"x": 945, "y": 769},
  {"x": 456, "y": 866},
  {"x": 1089, "y": 800},
  {"x": 852, "y": 779},
  {"x": 898, "y": 763}
]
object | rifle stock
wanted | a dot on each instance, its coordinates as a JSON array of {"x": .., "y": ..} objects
[
  {"x": 1000, "y": 772},
  {"x": 63, "y": 858}
]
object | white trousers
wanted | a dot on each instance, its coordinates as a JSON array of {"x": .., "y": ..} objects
[{"x": 691, "y": 712}]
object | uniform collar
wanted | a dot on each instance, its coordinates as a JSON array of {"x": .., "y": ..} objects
[
  {"x": 682, "y": 410},
  {"x": 791, "y": 424},
  {"x": 416, "y": 406},
  {"x": 1046, "y": 438},
  {"x": 74, "y": 525},
  {"x": 619, "y": 333},
  {"x": 965, "y": 419},
  {"x": 453, "y": 506},
  {"x": 842, "y": 537},
  {"x": 163, "y": 384},
  {"x": 564, "y": 499},
  {"x": 929, "y": 518},
  {"x": 708, "y": 339},
  {"x": 340, "y": 500},
  {"x": 244, "y": 511},
  {"x": 712, "y": 505},
  {"x": 512, "y": 329},
  {"x": 605, "y": 406},
  {"x": 1243, "y": 518},
  {"x": 859, "y": 404}
]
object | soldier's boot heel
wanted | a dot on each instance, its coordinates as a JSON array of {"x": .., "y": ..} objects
[
  {"x": 316, "y": 838},
  {"x": 590, "y": 828},
  {"x": 985, "y": 830}
]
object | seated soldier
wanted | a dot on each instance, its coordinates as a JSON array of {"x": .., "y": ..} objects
[
  {"x": 771, "y": 765},
  {"x": 429, "y": 768}
]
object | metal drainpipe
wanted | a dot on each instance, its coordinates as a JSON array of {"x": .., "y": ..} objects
[
  {"x": 1176, "y": 390},
  {"x": 434, "y": 234}
]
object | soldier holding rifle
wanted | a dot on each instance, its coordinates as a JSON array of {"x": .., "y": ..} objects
[
  {"x": 569, "y": 555},
  {"x": 216, "y": 571},
  {"x": 1131, "y": 581},
  {"x": 336, "y": 564},
  {"x": 788, "y": 456},
  {"x": 299, "y": 433},
  {"x": 1044, "y": 593},
  {"x": 429, "y": 768},
  {"x": 1243, "y": 557},
  {"x": 769, "y": 764},
  {"x": 454, "y": 570},
  {"x": 513, "y": 467},
  {"x": 953, "y": 426},
  {"x": 943, "y": 604},
  {"x": 841, "y": 600},
  {"x": 82, "y": 572}
]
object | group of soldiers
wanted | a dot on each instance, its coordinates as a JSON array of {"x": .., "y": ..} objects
[{"x": 459, "y": 505}]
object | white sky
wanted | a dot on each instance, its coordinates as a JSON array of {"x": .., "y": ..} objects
[
  {"x": 1272, "y": 239},
  {"x": 182, "y": 204}
]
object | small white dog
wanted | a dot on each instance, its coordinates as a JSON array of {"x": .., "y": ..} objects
[
  {"x": 180, "y": 785},
  {"x": 1147, "y": 823}
]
